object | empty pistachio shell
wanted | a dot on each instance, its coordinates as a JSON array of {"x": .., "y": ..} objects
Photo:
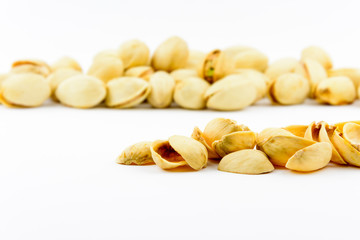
[
  {"x": 66, "y": 62},
  {"x": 336, "y": 91},
  {"x": 352, "y": 73},
  {"x": 199, "y": 136},
  {"x": 281, "y": 148},
  {"x": 106, "y": 68},
  {"x": 235, "y": 141},
  {"x": 289, "y": 88},
  {"x": 259, "y": 79},
  {"x": 312, "y": 132},
  {"x": 24, "y": 90},
  {"x": 165, "y": 156},
  {"x": 246, "y": 161},
  {"x": 251, "y": 59},
  {"x": 126, "y": 92},
  {"x": 317, "y": 54},
  {"x": 55, "y": 78},
  {"x": 134, "y": 53},
  {"x": 137, "y": 154},
  {"x": 31, "y": 66},
  {"x": 195, "y": 60},
  {"x": 282, "y": 66},
  {"x": 231, "y": 93},
  {"x": 143, "y": 72},
  {"x": 315, "y": 73},
  {"x": 216, "y": 65},
  {"x": 81, "y": 91},
  {"x": 351, "y": 133},
  {"x": 189, "y": 93},
  {"x": 162, "y": 89},
  {"x": 297, "y": 130},
  {"x": 339, "y": 126},
  {"x": 181, "y": 74},
  {"x": 350, "y": 154},
  {"x": 268, "y": 133},
  {"x": 170, "y": 55}
]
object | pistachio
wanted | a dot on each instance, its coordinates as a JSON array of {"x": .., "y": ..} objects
[
  {"x": 195, "y": 60},
  {"x": 257, "y": 78},
  {"x": 352, "y": 73},
  {"x": 31, "y": 66},
  {"x": 67, "y": 63},
  {"x": 268, "y": 133},
  {"x": 137, "y": 154},
  {"x": 216, "y": 65},
  {"x": 179, "y": 151},
  {"x": 108, "y": 53},
  {"x": 170, "y": 55},
  {"x": 143, "y": 72},
  {"x": 336, "y": 91},
  {"x": 282, "y": 66},
  {"x": 134, "y": 53},
  {"x": 162, "y": 89},
  {"x": 348, "y": 152},
  {"x": 58, "y": 76},
  {"x": 106, "y": 68},
  {"x": 251, "y": 59},
  {"x": 24, "y": 90},
  {"x": 315, "y": 73},
  {"x": 81, "y": 91},
  {"x": 317, "y": 54},
  {"x": 351, "y": 133},
  {"x": 297, "y": 130},
  {"x": 126, "y": 92},
  {"x": 235, "y": 50},
  {"x": 189, "y": 93},
  {"x": 233, "y": 142},
  {"x": 181, "y": 74},
  {"x": 247, "y": 162},
  {"x": 231, "y": 93},
  {"x": 289, "y": 88}
]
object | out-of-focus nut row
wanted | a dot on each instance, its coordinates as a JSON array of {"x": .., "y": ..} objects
[{"x": 302, "y": 148}]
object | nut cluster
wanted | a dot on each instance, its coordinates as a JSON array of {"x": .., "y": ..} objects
[
  {"x": 228, "y": 79},
  {"x": 302, "y": 148}
]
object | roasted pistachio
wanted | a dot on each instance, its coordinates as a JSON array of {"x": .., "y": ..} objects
[
  {"x": 162, "y": 89},
  {"x": 282, "y": 66},
  {"x": 195, "y": 60},
  {"x": 134, "y": 53},
  {"x": 336, "y": 91},
  {"x": 352, "y": 73},
  {"x": 137, "y": 154},
  {"x": 251, "y": 59},
  {"x": 317, "y": 54},
  {"x": 235, "y": 141},
  {"x": 143, "y": 72},
  {"x": 67, "y": 63},
  {"x": 31, "y": 66},
  {"x": 181, "y": 74},
  {"x": 55, "y": 78},
  {"x": 255, "y": 77},
  {"x": 106, "y": 68},
  {"x": 216, "y": 65},
  {"x": 315, "y": 73},
  {"x": 189, "y": 93}
]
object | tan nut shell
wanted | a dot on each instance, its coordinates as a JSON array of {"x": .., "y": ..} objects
[
  {"x": 165, "y": 156},
  {"x": 108, "y": 53},
  {"x": 268, "y": 133},
  {"x": 58, "y": 76},
  {"x": 251, "y": 59},
  {"x": 162, "y": 89},
  {"x": 24, "y": 90},
  {"x": 3, "y": 77},
  {"x": 31, "y": 66},
  {"x": 106, "y": 68},
  {"x": 67, "y": 63},
  {"x": 282, "y": 66},
  {"x": 317, "y": 54},
  {"x": 351, "y": 133},
  {"x": 233, "y": 142},
  {"x": 350, "y": 154},
  {"x": 315, "y": 73},
  {"x": 137, "y": 154},
  {"x": 352, "y": 73},
  {"x": 246, "y": 161},
  {"x": 195, "y": 60},
  {"x": 189, "y": 93},
  {"x": 134, "y": 53},
  {"x": 126, "y": 92},
  {"x": 199, "y": 136},
  {"x": 181, "y": 74},
  {"x": 336, "y": 91},
  {"x": 143, "y": 72},
  {"x": 170, "y": 55},
  {"x": 216, "y": 65},
  {"x": 259, "y": 79},
  {"x": 81, "y": 91},
  {"x": 297, "y": 130}
]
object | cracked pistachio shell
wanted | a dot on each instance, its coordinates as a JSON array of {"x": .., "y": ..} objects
[
  {"x": 24, "y": 90},
  {"x": 170, "y": 55},
  {"x": 315, "y": 73},
  {"x": 134, "y": 53},
  {"x": 231, "y": 93},
  {"x": 195, "y": 60},
  {"x": 106, "y": 68},
  {"x": 189, "y": 93},
  {"x": 181, "y": 74},
  {"x": 143, "y": 72},
  {"x": 162, "y": 89},
  {"x": 81, "y": 91},
  {"x": 246, "y": 161},
  {"x": 297, "y": 130},
  {"x": 349, "y": 153},
  {"x": 317, "y": 54},
  {"x": 58, "y": 76},
  {"x": 233, "y": 142},
  {"x": 137, "y": 154},
  {"x": 282, "y": 66},
  {"x": 216, "y": 65},
  {"x": 351, "y": 133},
  {"x": 339, "y": 126},
  {"x": 268, "y": 133},
  {"x": 311, "y": 158},
  {"x": 258, "y": 78},
  {"x": 352, "y": 73},
  {"x": 251, "y": 59},
  {"x": 66, "y": 63},
  {"x": 336, "y": 91},
  {"x": 198, "y": 135},
  {"x": 289, "y": 89},
  {"x": 31, "y": 66},
  {"x": 126, "y": 92},
  {"x": 281, "y": 148}
]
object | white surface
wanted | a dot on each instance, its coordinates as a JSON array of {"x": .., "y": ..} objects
[{"x": 58, "y": 179}]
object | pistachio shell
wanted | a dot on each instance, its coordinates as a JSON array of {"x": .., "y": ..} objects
[
  {"x": 106, "y": 68},
  {"x": 259, "y": 79},
  {"x": 351, "y": 133},
  {"x": 24, "y": 90},
  {"x": 126, "y": 92},
  {"x": 181, "y": 74},
  {"x": 199, "y": 136},
  {"x": 268, "y": 133},
  {"x": 352, "y": 73},
  {"x": 282, "y": 66},
  {"x": 81, "y": 91},
  {"x": 170, "y": 55},
  {"x": 108, "y": 53},
  {"x": 317, "y": 54},
  {"x": 297, "y": 130},
  {"x": 67, "y": 63},
  {"x": 137, "y": 154},
  {"x": 246, "y": 161},
  {"x": 58, "y": 76},
  {"x": 165, "y": 156},
  {"x": 315, "y": 73},
  {"x": 219, "y": 127},
  {"x": 350, "y": 154},
  {"x": 162, "y": 89},
  {"x": 195, "y": 60},
  {"x": 339, "y": 126},
  {"x": 3, "y": 77},
  {"x": 189, "y": 93},
  {"x": 336, "y": 91},
  {"x": 233, "y": 142},
  {"x": 31, "y": 66},
  {"x": 251, "y": 59},
  {"x": 289, "y": 88},
  {"x": 143, "y": 72},
  {"x": 312, "y": 132},
  {"x": 216, "y": 65},
  {"x": 134, "y": 53}
]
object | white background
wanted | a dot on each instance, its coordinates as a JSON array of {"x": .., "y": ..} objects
[{"x": 58, "y": 177}]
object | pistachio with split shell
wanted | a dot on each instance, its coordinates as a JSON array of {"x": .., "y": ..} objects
[
  {"x": 31, "y": 66},
  {"x": 246, "y": 161},
  {"x": 162, "y": 89},
  {"x": 137, "y": 154},
  {"x": 282, "y": 66},
  {"x": 179, "y": 151},
  {"x": 317, "y": 54},
  {"x": 336, "y": 91},
  {"x": 106, "y": 68},
  {"x": 268, "y": 133},
  {"x": 170, "y": 55},
  {"x": 143, "y": 72},
  {"x": 181, "y": 74},
  {"x": 352, "y": 73},
  {"x": 195, "y": 60},
  {"x": 66, "y": 63},
  {"x": 216, "y": 65},
  {"x": 134, "y": 53},
  {"x": 126, "y": 92},
  {"x": 315, "y": 73},
  {"x": 235, "y": 141}
]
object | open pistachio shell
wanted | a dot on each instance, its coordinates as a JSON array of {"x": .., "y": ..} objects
[
  {"x": 311, "y": 158},
  {"x": 165, "y": 156},
  {"x": 199, "y": 136},
  {"x": 137, "y": 154},
  {"x": 351, "y": 133},
  {"x": 189, "y": 93},
  {"x": 312, "y": 132},
  {"x": 233, "y": 142},
  {"x": 317, "y": 54},
  {"x": 315, "y": 73},
  {"x": 66, "y": 63},
  {"x": 195, "y": 60},
  {"x": 143, "y": 72},
  {"x": 182, "y": 74},
  {"x": 297, "y": 130},
  {"x": 126, "y": 92},
  {"x": 218, "y": 127},
  {"x": 336, "y": 91},
  {"x": 339, "y": 126},
  {"x": 134, "y": 53},
  {"x": 31, "y": 66},
  {"x": 246, "y": 161},
  {"x": 268, "y": 133},
  {"x": 216, "y": 65},
  {"x": 350, "y": 154},
  {"x": 106, "y": 68},
  {"x": 282, "y": 66},
  {"x": 162, "y": 89}
]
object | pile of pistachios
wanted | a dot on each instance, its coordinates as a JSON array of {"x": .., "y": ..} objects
[
  {"x": 229, "y": 79},
  {"x": 303, "y": 148}
]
